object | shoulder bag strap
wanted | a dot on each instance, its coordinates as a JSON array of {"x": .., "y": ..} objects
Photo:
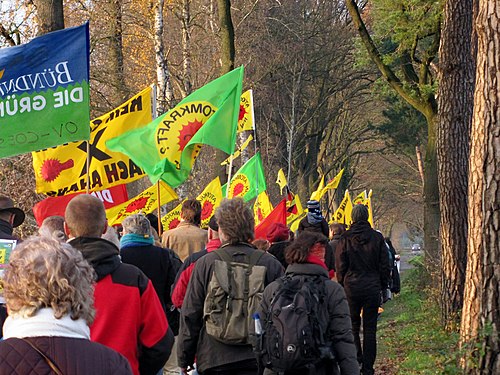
[{"x": 51, "y": 364}]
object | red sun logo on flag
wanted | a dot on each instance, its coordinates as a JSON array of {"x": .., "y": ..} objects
[
  {"x": 187, "y": 132},
  {"x": 240, "y": 186},
  {"x": 136, "y": 205},
  {"x": 174, "y": 223},
  {"x": 207, "y": 210},
  {"x": 242, "y": 114},
  {"x": 260, "y": 216}
]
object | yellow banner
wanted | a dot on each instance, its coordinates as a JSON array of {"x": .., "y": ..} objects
[
  {"x": 210, "y": 199},
  {"x": 294, "y": 209},
  {"x": 237, "y": 153},
  {"x": 246, "y": 117},
  {"x": 281, "y": 180},
  {"x": 262, "y": 207},
  {"x": 172, "y": 218},
  {"x": 343, "y": 213},
  {"x": 360, "y": 198},
  {"x": 316, "y": 196},
  {"x": 333, "y": 183},
  {"x": 62, "y": 170},
  {"x": 294, "y": 226},
  {"x": 146, "y": 202}
]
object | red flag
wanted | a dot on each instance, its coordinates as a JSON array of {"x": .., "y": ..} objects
[
  {"x": 278, "y": 215},
  {"x": 57, "y": 205}
]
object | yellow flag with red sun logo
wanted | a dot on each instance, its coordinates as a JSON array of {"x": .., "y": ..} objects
[
  {"x": 172, "y": 218},
  {"x": 167, "y": 148},
  {"x": 246, "y": 117},
  {"x": 146, "y": 202},
  {"x": 210, "y": 199},
  {"x": 262, "y": 207}
]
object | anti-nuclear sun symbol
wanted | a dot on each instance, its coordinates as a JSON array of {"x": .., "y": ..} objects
[{"x": 187, "y": 132}]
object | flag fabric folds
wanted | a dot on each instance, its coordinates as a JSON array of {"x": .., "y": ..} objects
[
  {"x": 246, "y": 120},
  {"x": 62, "y": 170},
  {"x": 343, "y": 213},
  {"x": 316, "y": 195},
  {"x": 262, "y": 207},
  {"x": 278, "y": 215},
  {"x": 56, "y": 206},
  {"x": 249, "y": 181},
  {"x": 172, "y": 218},
  {"x": 145, "y": 203},
  {"x": 281, "y": 180},
  {"x": 210, "y": 199},
  {"x": 167, "y": 148},
  {"x": 294, "y": 208},
  {"x": 333, "y": 183},
  {"x": 44, "y": 91},
  {"x": 237, "y": 153},
  {"x": 360, "y": 198}
]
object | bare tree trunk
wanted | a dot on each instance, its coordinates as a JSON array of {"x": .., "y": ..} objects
[
  {"x": 117, "y": 76},
  {"x": 226, "y": 36},
  {"x": 164, "y": 96},
  {"x": 420, "y": 163},
  {"x": 186, "y": 47},
  {"x": 484, "y": 213},
  {"x": 49, "y": 14},
  {"x": 456, "y": 99}
]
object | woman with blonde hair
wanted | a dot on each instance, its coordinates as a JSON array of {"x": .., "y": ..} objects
[{"x": 48, "y": 290}]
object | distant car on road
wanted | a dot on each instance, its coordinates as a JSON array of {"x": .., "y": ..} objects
[{"x": 415, "y": 248}]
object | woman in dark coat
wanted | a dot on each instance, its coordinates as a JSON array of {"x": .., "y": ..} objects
[
  {"x": 306, "y": 259},
  {"x": 48, "y": 289}
]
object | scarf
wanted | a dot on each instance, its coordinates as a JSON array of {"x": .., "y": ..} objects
[
  {"x": 45, "y": 324},
  {"x": 313, "y": 259},
  {"x": 314, "y": 217},
  {"x": 132, "y": 239}
]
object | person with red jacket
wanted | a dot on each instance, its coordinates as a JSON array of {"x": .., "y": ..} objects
[
  {"x": 184, "y": 274},
  {"x": 129, "y": 316}
]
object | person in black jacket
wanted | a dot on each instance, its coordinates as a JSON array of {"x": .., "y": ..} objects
[
  {"x": 314, "y": 220},
  {"x": 363, "y": 269}
]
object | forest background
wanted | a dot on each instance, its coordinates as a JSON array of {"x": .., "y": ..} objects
[{"x": 337, "y": 84}]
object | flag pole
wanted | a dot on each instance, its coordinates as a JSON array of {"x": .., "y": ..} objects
[
  {"x": 87, "y": 163},
  {"x": 229, "y": 176},
  {"x": 153, "y": 116},
  {"x": 254, "y": 140}
]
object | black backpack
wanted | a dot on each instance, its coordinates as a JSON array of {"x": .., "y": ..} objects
[{"x": 295, "y": 326}]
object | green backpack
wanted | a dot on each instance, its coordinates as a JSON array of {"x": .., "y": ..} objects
[{"x": 234, "y": 294}]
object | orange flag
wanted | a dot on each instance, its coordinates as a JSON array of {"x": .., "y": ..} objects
[{"x": 278, "y": 215}]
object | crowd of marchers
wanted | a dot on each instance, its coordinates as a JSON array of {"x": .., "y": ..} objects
[{"x": 84, "y": 298}]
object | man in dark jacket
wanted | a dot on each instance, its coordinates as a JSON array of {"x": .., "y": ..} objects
[
  {"x": 129, "y": 316},
  {"x": 314, "y": 220},
  {"x": 363, "y": 269},
  {"x": 236, "y": 230},
  {"x": 10, "y": 218}
]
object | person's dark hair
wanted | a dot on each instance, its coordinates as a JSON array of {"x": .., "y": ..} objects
[
  {"x": 299, "y": 249},
  {"x": 191, "y": 211},
  {"x": 235, "y": 221},
  {"x": 359, "y": 213},
  {"x": 337, "y": 228},
  {"x": 153, "y": 220}
]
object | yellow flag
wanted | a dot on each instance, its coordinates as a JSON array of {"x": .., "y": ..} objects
[
  {"x": 62, "y": 170},
  {"x": 294, "y": 226},
  {"x": 262, "y": 207},
  {"x": 146, "y": 202},
  {"x": 343, "y": 213},
  {"x": 246, "y": 119},
  {"x": 316, "y": 196},
  {"x": 172, "y": 218},
  {"x": 293, "y": 208},
  {"x": 210, "y": 199},
  {"x": 368, "y": 203},
  {"x": 360, "y": 198},
  {"x": 281, "y": 181},
  {"x": 237, "y": 153},
  {"x": 333, "y": 183}
]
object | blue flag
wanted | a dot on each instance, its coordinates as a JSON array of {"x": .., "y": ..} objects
[{"x": 44, "y": 92}]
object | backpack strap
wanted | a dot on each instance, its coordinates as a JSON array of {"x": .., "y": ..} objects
[{"x": 49, "y": 362}]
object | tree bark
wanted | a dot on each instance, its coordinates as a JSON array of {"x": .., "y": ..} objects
[
  {"x": 484, "y": 242},
  {"x": 186, "y": 47},
  {"x": 164, "y": 95},
  {"x": 117, "y": 76},
  {"x": 226, "y": 36},
  {"x": 455, "y": 101},
  {"x": 50, "y": 15}
]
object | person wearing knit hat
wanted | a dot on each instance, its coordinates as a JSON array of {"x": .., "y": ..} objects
[
  {"x": 314, "y": 221},
  {"x": 278, "y": 235}
]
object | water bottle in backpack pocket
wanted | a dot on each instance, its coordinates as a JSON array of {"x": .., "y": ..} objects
[{"x": 295, "y": 327}]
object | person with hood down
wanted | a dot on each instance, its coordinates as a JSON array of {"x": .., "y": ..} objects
[{"x": 363, "y": 269}]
